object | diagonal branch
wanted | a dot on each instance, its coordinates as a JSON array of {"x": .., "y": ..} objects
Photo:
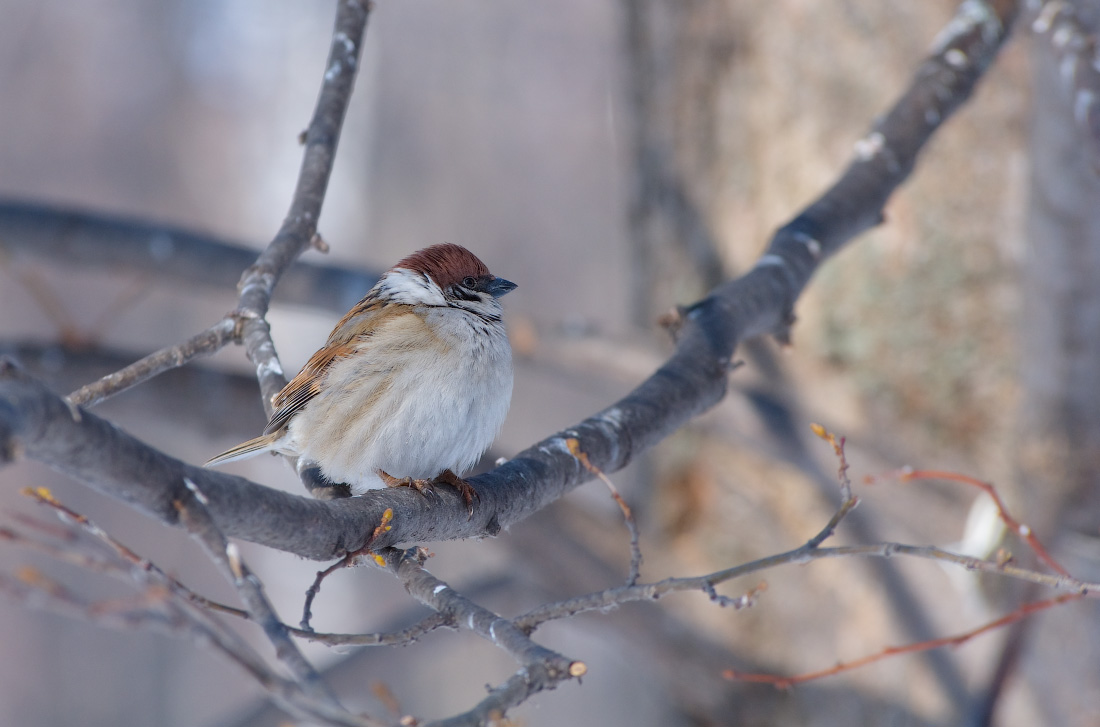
[
  {"x": 542, "y": 668},
  {"x": 300, "y": 226},
  {"x": 201, "y": 344},
  {"x": 84, "y": 240},
  {"x": 691, "y": 381},
  {"x": 247, "y": 323},
  {"x": 196, "y": 518}
]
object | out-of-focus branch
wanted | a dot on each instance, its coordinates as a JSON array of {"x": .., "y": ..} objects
[
  {"x": 300, "y": 226},
  {"x": 1024, "y": 611},
  {"x": 163, "y": 603},
  {"x": 1058, "y": 23},
  {"x": 85, "y": 240}
]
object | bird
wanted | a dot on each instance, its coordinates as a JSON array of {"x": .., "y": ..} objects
[{"x": 411, "y": 387}]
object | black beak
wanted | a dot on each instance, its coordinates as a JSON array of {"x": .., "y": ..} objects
[{"x": 499, "y": 286}]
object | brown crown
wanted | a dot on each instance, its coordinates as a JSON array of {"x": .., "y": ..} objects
[{"x": 446, "y": 264}]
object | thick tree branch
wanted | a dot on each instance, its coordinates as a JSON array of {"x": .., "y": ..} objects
[
  {"x": 691, "y": 381},
  {"x": 85, "y": 240}
]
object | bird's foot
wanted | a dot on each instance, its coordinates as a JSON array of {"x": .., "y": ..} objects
[
  {"x": 469, "y": 494},
  {"x": 424, "y": 487}
]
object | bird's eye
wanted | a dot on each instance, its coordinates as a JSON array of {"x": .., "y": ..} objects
[{"x": 468, "y": 282}]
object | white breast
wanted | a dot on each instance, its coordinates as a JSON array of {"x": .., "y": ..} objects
[{"x": 424, "y": 393}]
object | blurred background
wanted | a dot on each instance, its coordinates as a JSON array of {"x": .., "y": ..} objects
[{"x": 614, "y": 159}]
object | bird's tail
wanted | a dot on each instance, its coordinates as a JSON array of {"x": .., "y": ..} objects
[{"x": 250, "y": 448}]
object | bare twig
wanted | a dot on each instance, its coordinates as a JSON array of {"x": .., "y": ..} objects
[
  {"x": 208, "y": 342},
  {"x": 408, "y": 566},
  {"x": 542, "y": 668},
  {"x": 1024, "y": 531},
  {"x": 163, "y": 604},
  {"x": 628, "y": 515},
  {"x": 403, "y": 637},
  {"x": 132, "y": 566},
  {"x": 247, "y": 323},
  {"x": 300, "y": 226},
  {"x": 850, "y": 501},
  {"x": 606, "y": 599},
  {"x": 196, "y": 518},
  {"x": 781, "y": 682},
  {"x": 808, "y": 552},
  {"x": 348, "y": 560},
  {"x": 491, "y": 710}
]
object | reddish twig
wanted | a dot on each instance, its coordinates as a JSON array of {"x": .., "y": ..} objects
[
  {"x": 781, "y": 682},
  {"x": 1024, "y": 531}
]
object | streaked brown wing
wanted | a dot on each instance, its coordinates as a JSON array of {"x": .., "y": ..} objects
[
  {"x": 303, "y": 387},
  {"x": 307, "y": 384}
]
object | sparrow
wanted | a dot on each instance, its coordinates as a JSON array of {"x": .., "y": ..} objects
[{"x": 412, "y": 385}]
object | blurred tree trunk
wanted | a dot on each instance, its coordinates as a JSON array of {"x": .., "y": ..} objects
[
  {"x": 1060, "y": 358},
  {"x": 1060, "y": 376},
  {"x": 677, "y": 56}
]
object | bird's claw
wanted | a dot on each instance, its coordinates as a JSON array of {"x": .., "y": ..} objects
[
  {"x": 428, "y": 487},
  {"x": 469, "y": 494}
]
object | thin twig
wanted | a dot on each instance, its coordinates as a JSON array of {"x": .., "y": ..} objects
[
  {"x": 196, "y": 518},
  {"x": 542, "y": 668},
  {"x": 850, "y": 500},
  {"x": 1024, "y": 531},
  {"x": 602, "y": 600},
  {"x": 404, "y": 637},
  {"x": 132, "y": 565},
  {"x": 628, "y": 515},
  {"x": 781, "y": 682},
  {"x": 162, "y": 604},
  {"x": 347, "y": 561},
  {"x": 210, "y": 341}
]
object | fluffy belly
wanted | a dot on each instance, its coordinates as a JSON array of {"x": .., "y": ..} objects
[{"x": 414, "y": 423}]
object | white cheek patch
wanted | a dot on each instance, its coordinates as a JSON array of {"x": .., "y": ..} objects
[{"x": 405, "y": 286}]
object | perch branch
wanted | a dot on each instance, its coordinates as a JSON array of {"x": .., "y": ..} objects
[{"x": 691, "y": 381}]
